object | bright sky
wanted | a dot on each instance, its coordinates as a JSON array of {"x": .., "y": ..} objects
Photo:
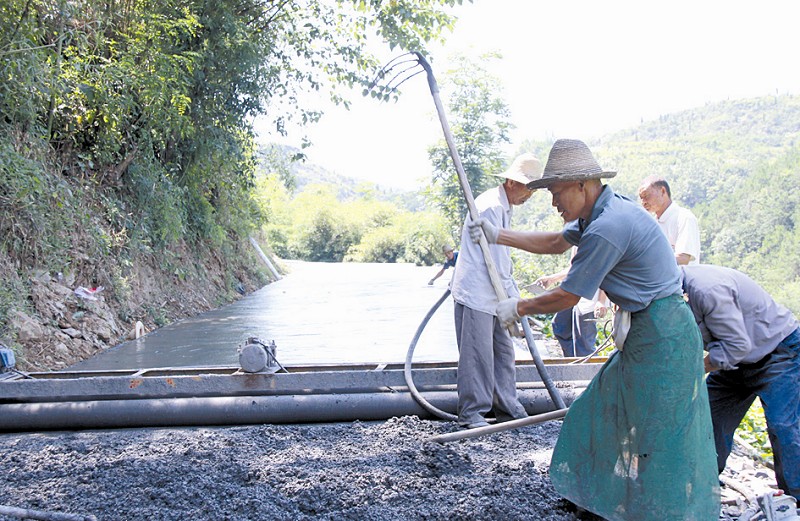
[{"x": 577, "y": 69}]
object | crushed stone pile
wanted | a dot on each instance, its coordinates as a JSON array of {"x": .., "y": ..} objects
[{"x": 362, "y": 470}]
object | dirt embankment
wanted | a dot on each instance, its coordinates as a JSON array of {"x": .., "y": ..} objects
[{"x": 59, "y": 320}]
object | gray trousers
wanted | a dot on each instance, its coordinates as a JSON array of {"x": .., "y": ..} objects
[{"x": 486, "y": 373}]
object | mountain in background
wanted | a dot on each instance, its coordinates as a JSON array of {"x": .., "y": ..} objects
[
  {"x": 736, "y": 164},
  {"x": 707, "y": 151},
  {"x": 297, "y": 173}
]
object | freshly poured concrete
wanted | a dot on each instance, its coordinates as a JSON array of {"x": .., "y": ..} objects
[{"x": 319, "y": 313}]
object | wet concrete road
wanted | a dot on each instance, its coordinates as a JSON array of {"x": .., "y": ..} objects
[{"x": 319, "y": 313}]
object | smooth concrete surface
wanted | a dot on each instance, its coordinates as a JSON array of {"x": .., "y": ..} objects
[{"x": 319, "y": 313}]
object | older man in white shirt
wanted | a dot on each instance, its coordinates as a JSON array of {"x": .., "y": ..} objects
[
  {"x": 486, "y": 372},
  {"x": 678, "y": 224}
]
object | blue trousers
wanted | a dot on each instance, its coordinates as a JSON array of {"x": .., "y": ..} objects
[
  {"x": 575, "y": 333},
  {"x": 775, "y": 379}
]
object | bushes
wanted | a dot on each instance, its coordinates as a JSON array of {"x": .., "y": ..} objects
[
  {"x": 328, "y": 238},
  {"x": 36, "y": 209},
  {"x": 316, "y": 226}
]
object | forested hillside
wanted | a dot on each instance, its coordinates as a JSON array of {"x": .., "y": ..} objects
[
  {"x": 736, "y": 164},
  {"x": 708, "y": 151}
]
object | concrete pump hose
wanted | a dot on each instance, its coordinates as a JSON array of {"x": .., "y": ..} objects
[
  {"x": 539, "y": 363},
  {"x": 425, "y": 404}
]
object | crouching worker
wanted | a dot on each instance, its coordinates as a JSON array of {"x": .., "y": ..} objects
[
  {"x": 451, "y": 257},
  {"x": 753, "y": 346},
  {"x": 637, "y": 443}
]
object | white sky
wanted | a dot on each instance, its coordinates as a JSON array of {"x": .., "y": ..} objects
[{"x": 577, "y": 69}]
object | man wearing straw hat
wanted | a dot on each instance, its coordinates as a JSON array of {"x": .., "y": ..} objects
[
  {"x": 638, "y": 443},
  {"x": 486, "y": 371}
]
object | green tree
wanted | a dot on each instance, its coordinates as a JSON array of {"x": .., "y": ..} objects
[
  {"x": 131, "y": 122},
  {"x": 480, "y": 122},
  {"x": 155, "y": 100},
  {"x": 755, "y": 228}
]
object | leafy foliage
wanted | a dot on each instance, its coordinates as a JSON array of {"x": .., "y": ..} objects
[
  {"x": 408, "y": 237},
  {"x": 480, "y": 123},
  {"x": 753, "y": 430},
  {"x": 704, "y": 152},
  {"x": 316, "y": 225},
  {"x": 125, "y": 127},
  {"x": 754, "y": 228},
  {"x": 27, "y": 198}
]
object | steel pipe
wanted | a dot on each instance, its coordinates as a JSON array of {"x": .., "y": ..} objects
[{"x": 238, "y": 410}]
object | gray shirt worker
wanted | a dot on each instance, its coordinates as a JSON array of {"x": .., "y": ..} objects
[
  {"x": 739, "y": 321},
  {"x": 753, "y": 347},
  {"x": 634, "y": 265}
]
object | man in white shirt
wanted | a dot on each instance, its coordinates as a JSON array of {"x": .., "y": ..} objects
[
  {"x": 678, "y": 224},
  {"x": 486, "y": 372}
]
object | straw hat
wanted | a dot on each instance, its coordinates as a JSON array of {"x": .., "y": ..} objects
[
  {"x": 525, "y": 169},
  {"x": 570, "y": 160}
]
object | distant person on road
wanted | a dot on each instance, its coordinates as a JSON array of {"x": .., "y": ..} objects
[
  {"x": 576, "y": 328},
  {"x": 678, "y": 224},
  {"x": 486, "y": 360},
  {"x": 753, "y": 346},
  {"x": 451, "y": 257},
  {"x": 637, "y": 443}
]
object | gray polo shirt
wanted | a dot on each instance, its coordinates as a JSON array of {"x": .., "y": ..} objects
[
  {"x": 740, "y": 322},
  {"x": 622, "y": 251}
]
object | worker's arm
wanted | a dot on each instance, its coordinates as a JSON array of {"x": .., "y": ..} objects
[
  {"x": 551, "y": 302},
  {"x": 548, "y": 281},
  {"x": 601, "y": 305},
  {"x": 510, "y": 310},
  {"x": 441, "y": 272},
  {"x": 683, "y": 258},
  {"x": 533, "y": 242},
  {"x": 708, "y": 365}
]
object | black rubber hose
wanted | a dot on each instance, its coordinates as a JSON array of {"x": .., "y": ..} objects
[
  {"x": 425, "y": 404},
  {"x": 537, "y": 360}
]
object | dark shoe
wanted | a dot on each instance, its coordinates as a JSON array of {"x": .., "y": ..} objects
[{"x": 502, "y": 418}]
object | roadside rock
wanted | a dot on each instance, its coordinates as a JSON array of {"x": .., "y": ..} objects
[{"x": 28, "y": 330}]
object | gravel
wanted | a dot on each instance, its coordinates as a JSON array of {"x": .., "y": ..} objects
[{"x": 362, "y": 470}]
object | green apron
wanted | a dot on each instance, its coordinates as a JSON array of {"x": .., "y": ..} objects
[{"x": 638, "y": 443}]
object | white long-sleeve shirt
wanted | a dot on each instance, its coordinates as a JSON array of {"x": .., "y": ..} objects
[{"x": 471, "y": 285}]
